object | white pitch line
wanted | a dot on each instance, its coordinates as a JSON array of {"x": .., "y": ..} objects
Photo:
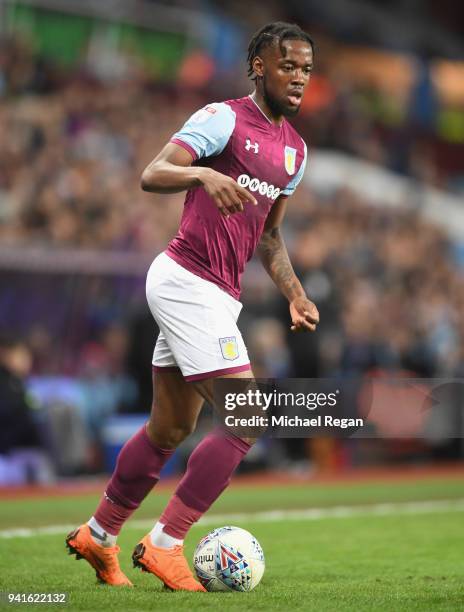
[{"x": 308, "y": 514}]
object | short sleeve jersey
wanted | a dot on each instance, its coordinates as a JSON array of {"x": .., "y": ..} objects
[{"x": 236, "y": 139}]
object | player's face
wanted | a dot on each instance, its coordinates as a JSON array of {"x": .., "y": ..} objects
[{"x": 286, "y": 76}]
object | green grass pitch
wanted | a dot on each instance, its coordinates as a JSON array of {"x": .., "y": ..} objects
[{"x": 399, "y": 561}]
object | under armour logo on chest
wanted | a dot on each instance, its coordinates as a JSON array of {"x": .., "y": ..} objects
[{"x": 249, "y": 146}]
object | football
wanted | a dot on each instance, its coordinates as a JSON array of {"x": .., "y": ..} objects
[{"x": 229, "y": 559}]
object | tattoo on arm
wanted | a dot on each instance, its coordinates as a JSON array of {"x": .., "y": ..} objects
[{"x": 275, "y": 259}]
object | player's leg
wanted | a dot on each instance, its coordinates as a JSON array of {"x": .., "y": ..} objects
[
  {"x": 175, "y": 409},
  {"x": 199, "y": 322},
  {"x": 209, "y": 471},
  {"x": 173, "y": 417}
]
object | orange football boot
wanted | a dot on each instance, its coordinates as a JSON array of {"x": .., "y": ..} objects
[
  {"x": 168, "y": 564},
  {"x": 103, "y": 559}
]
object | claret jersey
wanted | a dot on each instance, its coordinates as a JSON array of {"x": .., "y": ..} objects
[{"x": 237, "y": 139}]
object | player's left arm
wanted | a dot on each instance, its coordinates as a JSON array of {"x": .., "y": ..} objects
[{"x": 274, "y": 256}]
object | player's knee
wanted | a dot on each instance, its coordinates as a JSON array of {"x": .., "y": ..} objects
[
  {"x": 169, "y": 437},
  {"x": 178, "y": 434}
]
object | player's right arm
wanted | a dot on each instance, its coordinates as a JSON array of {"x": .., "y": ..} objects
[
  {"x": 171, "y": 171},
  {"x": 205, "y": 134}
]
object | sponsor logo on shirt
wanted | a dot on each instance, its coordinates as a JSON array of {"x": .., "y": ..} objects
[
  {"x": 263, "y": 188},
  {"x": 290, "y": 159},
  {"x": 229, "y": 348}
]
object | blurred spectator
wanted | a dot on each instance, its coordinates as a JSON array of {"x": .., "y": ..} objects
[
  {"x": 107, "y": 389},
  {"x": 18, "y": 426},
  {"x": 22, "y": 459},
  {"x": 268, "y": 349}
]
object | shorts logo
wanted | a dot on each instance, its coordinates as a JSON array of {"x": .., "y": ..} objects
[
  {"x": 229, "y": 348},
  {"x": 254, "y": 184},
  {"x": 290, "y": 159}
]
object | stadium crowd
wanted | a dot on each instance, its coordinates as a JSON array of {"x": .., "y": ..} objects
[
  {"x": 388, "y": 284},
  {"x": 74, "y": 144}
]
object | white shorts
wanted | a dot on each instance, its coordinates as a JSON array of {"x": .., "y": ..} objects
[{"x": 197, "y": 321}]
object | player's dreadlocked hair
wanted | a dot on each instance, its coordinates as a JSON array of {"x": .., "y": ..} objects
[{"x": 271, "y": 33}]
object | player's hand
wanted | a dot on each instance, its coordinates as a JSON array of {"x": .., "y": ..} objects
[
  {"x": 304, "y": 313},
  {"x": 227, "y": 194}
]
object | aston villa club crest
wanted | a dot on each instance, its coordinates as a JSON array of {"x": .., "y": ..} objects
[
  {"x": 229, "y": 348},
  {"x": 290, "y": 160}
]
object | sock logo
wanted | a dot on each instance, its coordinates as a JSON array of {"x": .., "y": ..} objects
[{"x": 108, "y": 498}]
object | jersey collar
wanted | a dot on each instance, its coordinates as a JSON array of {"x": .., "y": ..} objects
[{"x": 277, "y": 125}]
